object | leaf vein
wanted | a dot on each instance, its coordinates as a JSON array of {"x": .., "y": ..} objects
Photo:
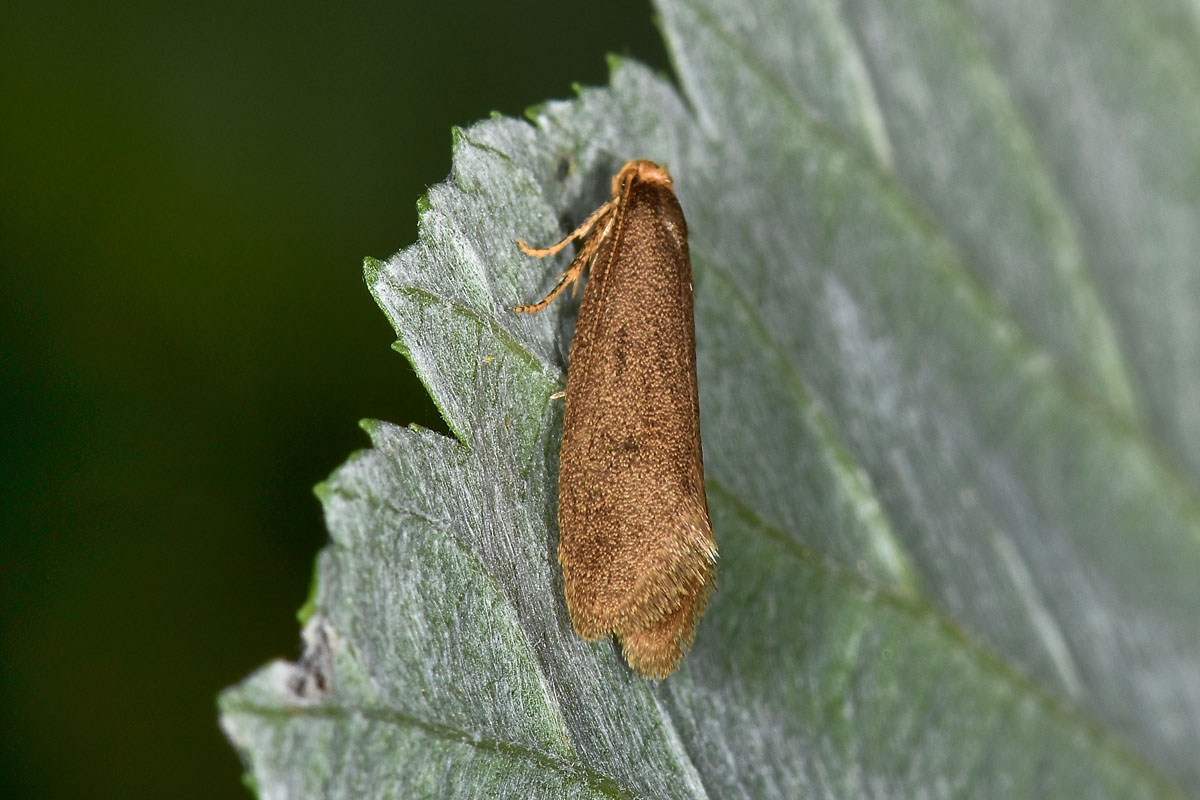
[{"x": 571, "y": 770}]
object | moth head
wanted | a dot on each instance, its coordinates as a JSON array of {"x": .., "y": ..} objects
[{"x": 635, "y": 172}]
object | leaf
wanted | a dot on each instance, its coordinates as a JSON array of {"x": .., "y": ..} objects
[{"x": 949, "y": 352}]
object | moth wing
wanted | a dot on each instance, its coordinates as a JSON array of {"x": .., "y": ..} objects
[{"x": 659, "y": 620}]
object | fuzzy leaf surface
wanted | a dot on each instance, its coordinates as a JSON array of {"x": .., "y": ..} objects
[{"x": 948, "y": 334}]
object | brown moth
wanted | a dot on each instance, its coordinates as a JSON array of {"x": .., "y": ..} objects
[{"x": 635, "y": 544}]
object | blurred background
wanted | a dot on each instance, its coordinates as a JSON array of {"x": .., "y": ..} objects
[{"x": 186, "y": 343}]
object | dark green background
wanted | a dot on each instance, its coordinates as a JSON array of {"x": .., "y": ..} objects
[{"x": 186, "y": 195}]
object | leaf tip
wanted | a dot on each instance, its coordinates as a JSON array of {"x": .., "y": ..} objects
[
  {"x": 251, "y": 783},
  {"x": 371, "y": 267},
  {"x": 533, "y": 112},
  {"x": 309, "y": 607}
]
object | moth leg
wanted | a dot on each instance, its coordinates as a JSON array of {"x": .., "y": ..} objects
[
  {"x": 583, "y": 230},
  {"x": 582, "y": 261},
  {"x": 573, "y": 273},
  {"x": 590, "y": 249}
]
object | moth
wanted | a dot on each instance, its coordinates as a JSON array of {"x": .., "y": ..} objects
[{"x": 635, "y": 543}]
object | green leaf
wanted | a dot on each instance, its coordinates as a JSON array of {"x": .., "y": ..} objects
[{"x": 948, "y": 325}]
